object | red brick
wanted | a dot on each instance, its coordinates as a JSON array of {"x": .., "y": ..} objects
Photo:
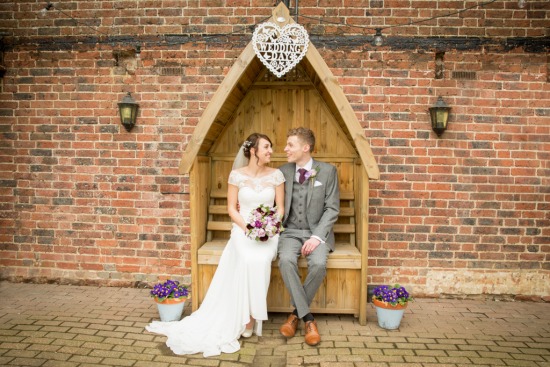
[{"x": 493, "y": 151}]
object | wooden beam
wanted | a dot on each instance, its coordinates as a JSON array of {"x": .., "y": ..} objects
[
  {"x": 222, "y": 194},
  {"x": 226, "y": 226},
  {"x": 222, "y": 209},
  {"x": 364, "y": 236},
  {"x": 199, "y": 187}
]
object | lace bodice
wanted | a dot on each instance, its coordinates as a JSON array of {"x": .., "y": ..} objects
[
  {"x": 241, "y": 180},
  {"x": 254, "y": 191}
]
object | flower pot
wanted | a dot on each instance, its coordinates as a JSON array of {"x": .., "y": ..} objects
[
  {"x": 389, "y": 317},
  {"x": 170, "y": 309}
]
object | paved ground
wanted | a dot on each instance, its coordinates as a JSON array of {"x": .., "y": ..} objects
[{"x": 57, "y": 325}]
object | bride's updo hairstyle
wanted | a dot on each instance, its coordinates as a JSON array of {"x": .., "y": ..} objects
[{"x": 253, "y": 141}]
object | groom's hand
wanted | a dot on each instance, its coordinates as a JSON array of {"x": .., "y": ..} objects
[{"x": 309, "y": 246}]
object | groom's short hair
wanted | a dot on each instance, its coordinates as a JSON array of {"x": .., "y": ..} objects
[{"x": 304, "y": 134}]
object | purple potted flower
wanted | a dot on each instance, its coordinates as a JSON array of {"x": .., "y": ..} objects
[
  {"x": 170, "y": 297},
  {"x": 390, "y": 303}
]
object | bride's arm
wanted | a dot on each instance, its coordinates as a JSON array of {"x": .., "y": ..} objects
[
  {"x": 232, "y": 200},
  {"x": 280, "y": 199}
]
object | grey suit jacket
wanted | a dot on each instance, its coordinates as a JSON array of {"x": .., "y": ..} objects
[{"x": 323, "y": 200}]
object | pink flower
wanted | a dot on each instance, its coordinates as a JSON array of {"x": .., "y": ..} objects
[{"x": 312, "y": 173}]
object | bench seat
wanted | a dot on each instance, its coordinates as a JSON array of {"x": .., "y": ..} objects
[{"x": 344, "y": 256}]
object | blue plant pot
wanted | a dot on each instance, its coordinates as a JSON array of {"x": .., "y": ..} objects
[
  {"x": 171, "y": 309},
  {"x": 389, "y": 317}
]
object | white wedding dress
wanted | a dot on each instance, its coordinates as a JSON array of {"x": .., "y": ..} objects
[{"x": 239, "y": 286}]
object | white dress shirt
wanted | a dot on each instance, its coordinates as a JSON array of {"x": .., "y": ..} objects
[{"x": 307, "y": 167}]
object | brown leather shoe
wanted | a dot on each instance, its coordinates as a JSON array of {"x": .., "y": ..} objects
[
  {"x": 288, "y": 329},
  {"x": 312, "y": 334}
]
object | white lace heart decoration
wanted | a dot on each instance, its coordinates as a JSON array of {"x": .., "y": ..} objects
[{"x": 280, "y": 49}]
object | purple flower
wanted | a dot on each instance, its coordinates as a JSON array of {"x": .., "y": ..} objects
[
  {"x": 394, "y": 296},
  {"x": 312, "y": 173},
  {"x": 169, "y": 289},
  {"x": 263, "y": 223}
]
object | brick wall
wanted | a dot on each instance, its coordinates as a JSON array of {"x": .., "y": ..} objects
[{"x": 84, "y": 201}]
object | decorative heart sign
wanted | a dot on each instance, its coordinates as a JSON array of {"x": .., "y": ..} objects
[{"x": 280, "y": 49}]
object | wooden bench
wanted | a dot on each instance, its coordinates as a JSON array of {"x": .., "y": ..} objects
[
  {"x": 251, "y": 99},
  {"x": 338, "y": 294}
]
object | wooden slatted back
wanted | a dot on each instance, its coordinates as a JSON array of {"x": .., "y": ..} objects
[{"x": 219, "y": 222}]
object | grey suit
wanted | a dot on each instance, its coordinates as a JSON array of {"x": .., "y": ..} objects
[{"x": 310, "y": 209}]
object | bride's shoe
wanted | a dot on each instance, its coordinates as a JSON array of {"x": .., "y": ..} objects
[{"x": 247, "y": 333}]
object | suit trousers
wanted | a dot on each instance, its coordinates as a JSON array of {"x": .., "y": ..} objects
[{"x": 290, "y": 246}]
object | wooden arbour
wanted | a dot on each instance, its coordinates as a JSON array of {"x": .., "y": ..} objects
[{"x": 251, "y": 99}]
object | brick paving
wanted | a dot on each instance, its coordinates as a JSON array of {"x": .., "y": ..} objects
[{"x": 62, "y": 325}]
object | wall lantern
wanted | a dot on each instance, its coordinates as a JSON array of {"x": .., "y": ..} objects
[
  {"x": 128, "y": 108},
  {"x": 439, "y": 113}
]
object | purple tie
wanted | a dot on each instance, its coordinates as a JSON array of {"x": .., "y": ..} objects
[{"x": 302, "y": 177}]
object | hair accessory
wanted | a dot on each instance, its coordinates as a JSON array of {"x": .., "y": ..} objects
[{"x": 247, "y": 144}]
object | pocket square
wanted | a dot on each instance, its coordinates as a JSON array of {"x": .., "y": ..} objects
[{"x": 317, "y": 183}]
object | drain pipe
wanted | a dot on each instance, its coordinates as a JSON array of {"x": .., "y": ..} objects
[{"x": 296, "y": 11}]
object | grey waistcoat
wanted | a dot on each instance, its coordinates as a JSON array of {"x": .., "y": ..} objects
[{"x": 297, "y": 218}]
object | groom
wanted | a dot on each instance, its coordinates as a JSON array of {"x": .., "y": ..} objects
[{"x": 312, "y": 204}]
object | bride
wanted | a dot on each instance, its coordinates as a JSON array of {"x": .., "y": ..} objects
[{"x": 235, "y": 304}]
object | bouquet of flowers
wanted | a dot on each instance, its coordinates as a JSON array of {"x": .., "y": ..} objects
[
  {"x": 263, "y": 223},
  {"x": 396, "y": 295},
  {"x": 169, "y": 289}
]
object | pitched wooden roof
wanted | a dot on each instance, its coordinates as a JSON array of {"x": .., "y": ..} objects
[{"x": 241, "y": 76}]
